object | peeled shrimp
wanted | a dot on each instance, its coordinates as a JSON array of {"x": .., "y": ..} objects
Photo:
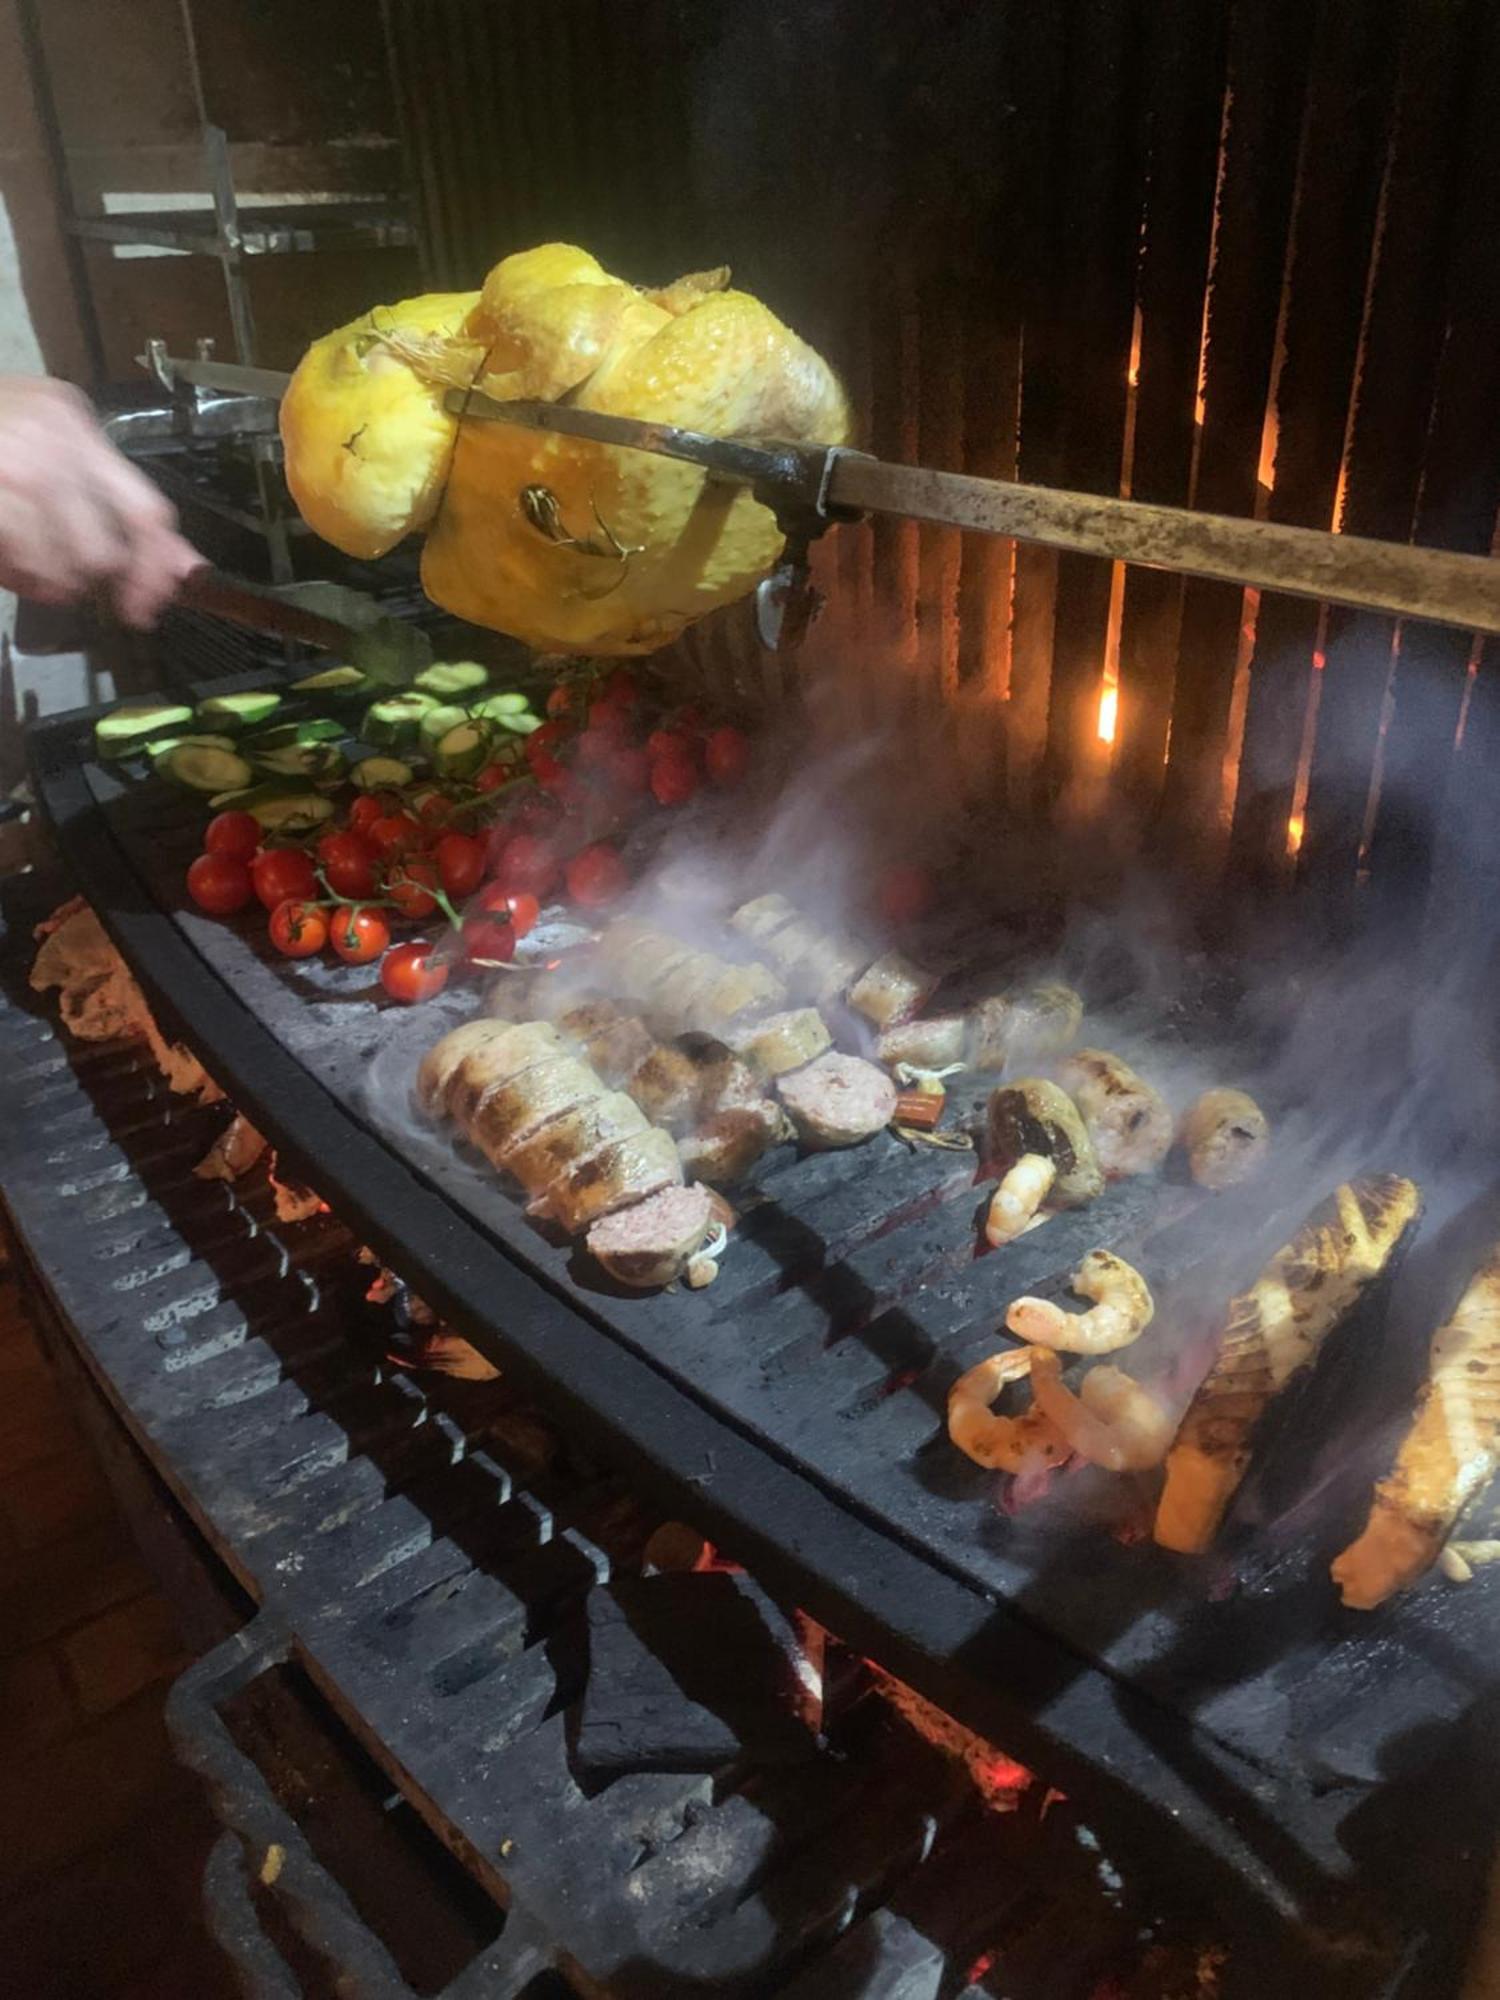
[
  {"x": 1112, "y": 1421},
  {"x": 1022, "y": 1443},
  {"x": 1121, "y": 1312},
  {"x": 1018, "y": 1198}
]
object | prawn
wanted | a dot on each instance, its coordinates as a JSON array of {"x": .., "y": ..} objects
[
  {"x": 1015, "y": 1202},
  {"x": 1121, "y": 1311},
  {"x": 1018, "y": 1444},
  {"x": 1112, "y": 1421}
]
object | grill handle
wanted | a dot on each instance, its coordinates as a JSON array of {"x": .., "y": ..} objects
[{"x": 261, "y": 1841}]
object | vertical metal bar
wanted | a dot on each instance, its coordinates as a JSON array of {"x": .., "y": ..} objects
[
  {"x": 34, "y": 53},
  {"x": 231, "y": 250},
  {"x": 405, "y": 132}
]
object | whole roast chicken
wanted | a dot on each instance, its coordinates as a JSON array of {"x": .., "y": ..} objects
[{"x": 568, "y": 545}]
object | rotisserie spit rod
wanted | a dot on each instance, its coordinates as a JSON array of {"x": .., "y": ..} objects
[{"x": 811, "y": 488}]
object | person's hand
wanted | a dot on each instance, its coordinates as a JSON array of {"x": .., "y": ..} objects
[{"x": 74, "y": 513}]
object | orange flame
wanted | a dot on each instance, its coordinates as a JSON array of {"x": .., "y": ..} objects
[
  {"x": 1109, "y": 712},
  {"x": 1295, "y": 828}
]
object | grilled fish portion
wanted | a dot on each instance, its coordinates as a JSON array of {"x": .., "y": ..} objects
[
  {"x": 1451, "y": 1450},
  {"x": 1272, "y": 1333}
]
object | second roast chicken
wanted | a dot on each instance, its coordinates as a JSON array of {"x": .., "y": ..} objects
[{"x": 565, "y": 544}]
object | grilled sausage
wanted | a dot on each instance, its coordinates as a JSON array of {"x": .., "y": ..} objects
[
  {"x": 838, "y": 1100},
  {"x": 1271, "y": 1335},
  {"x": 762, "y": 917},
  {"x": 537, "y": 1159},
  {"x": 930, "y": 1044},
  {"x": 781, "y": 1042},
  {"x": 649, "y": 1243},
  {"x": 727, "y": 1143},
  {"x": 510, "y": 1111},
  {"x": 667, "y": 1086},
  {"x": 1225, "y": 1137},
  {"x": 497, "y": 1061},
  {"x": 612, "y": 1040},
  {"x": 1025, "y": 1025},
  {"x": 442, "y": 1060},
  {"x": 1038, "y": 1119},
  {"x": 611, "y": 1177},
  {"x": 1450, "y": 1452},
  {"x": 890, "y": 990},
  {"x": 1128, "y": 1120}
]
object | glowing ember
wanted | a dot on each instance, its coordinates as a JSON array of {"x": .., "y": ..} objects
[
  {"x": 997, "y": 1777},
  {"x": 1109, "y": 713},
  {"x": 1295, "y": 828}
]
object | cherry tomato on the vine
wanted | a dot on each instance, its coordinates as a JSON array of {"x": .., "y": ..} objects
[
  {"x": 408, "y": 974},
  {"x": 279, "y": 872},
  {"x": 726, "y": 756},
  {"x": 596, "y": 876},
  {"x": 596, "y": 745},
  {"x": 531, "y": 862},
  {"x": 492, "y": 777},
  {"x": 348, "y": 861},
  {"x": 409, "y": 885},
  {"x": 299, "y": 930},
  {"x": 357, "y": 935},
  {"x": 489, "y": 940},
  {"x": 621, "y": 685},
  {"x": 394, "y": 833},
  {"x": 460, "y": 863},
  {"x": 543, "y": 742},
  {"x": 236, "y": 834},
  {"x": 364, "y": 812},
  {"x": 518, "y": 906},
  {"x": 628, "y": 769},
  {"x": 669, "y": 743},
  {"x": 435, "y": 810},
  {"x": 219, "y": 884},
  {"x": 673, "y": 781},
  {"x": 562, "y": 700}
]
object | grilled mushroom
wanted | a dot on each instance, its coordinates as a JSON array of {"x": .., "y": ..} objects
[
  {"x": 1225, "y": 1136},
  {"x": 1032, "y": 1118}
]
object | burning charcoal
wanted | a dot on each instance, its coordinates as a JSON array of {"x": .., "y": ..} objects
[{"x": 687, "y": 1672}]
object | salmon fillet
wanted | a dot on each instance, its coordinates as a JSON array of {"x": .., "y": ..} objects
[
  {"x": 1272, "y": 1333},
  {"x": 1451, "y": 1450}
]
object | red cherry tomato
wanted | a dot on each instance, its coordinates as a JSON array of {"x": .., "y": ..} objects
[
  {"x": 629, "y": 770},
  {"x": 689, "y": 719},
  {"x": 358, "y": 935},
  {"x": 518, "y": 906},
  {"x": 348, "y": 861},
  {"x": 233, "y": 833},
  {"x": 726, "y": 756},
  {"x": 409, "y": 975},
  {"x": 596, "y": 876},
  {"x": 544, "y": 742},
  {"x": 673, "y": 781},
  {"x": 299, "y": 930},
  {"x": 562, "y": 700},
  {"x": 460, "y": 863},
  {"x": 487, "y": 939},
  {"x": 596, "y": 745},
  {"x": 219, "y": 884},
  {"x": 435, "y": 810},
  {"x": 904, "y": 892},
  {"x": 279, "y": 872},
  {"x": 620, "y": 685},
  {"x": 364, "y": 812},
  {"x": 410, "y": 883},
  {"x": 530, "y": 862},
  {"x": 669, "y": 743},
  {"x": 492, "y": 777},
  {"x": 394, "y": 833},
  {"x": 609, "y": 716}
]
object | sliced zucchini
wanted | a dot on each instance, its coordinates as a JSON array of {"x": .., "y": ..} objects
[
  {"x": 497, "y": 705},
  {"x": 125, "y": 730},
  {"x": 288, "y": 807},
  {"x": 450, "y": 680},
  {"x": 391, "y": 723},
  {"x": 332, "y": 680},
  {"x": 519, "y": 725},
  {"x": 239, "y": 711},
  {"x": 324, "y": 763},
  {"x": 203, "y": 769},
  {"x": 377, "y": 774},
  {"x": 464, "y": 749},
  {"x": 160, "y": 752},
  {"x": 316, "y": 729},
  {"x": 436, "y": 723}
]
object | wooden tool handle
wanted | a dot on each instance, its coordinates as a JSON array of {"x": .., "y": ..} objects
[{"x": 260, "y": 610}]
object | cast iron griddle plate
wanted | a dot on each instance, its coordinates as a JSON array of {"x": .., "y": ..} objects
[{"x": 834, "y": 1347}]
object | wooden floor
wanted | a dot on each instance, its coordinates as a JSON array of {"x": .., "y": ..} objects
[{"x": 103, "y": 1836}]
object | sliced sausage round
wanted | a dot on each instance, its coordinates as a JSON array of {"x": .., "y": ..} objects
[
  {"x": 650, "y": 1243},
  {"x": 838, "y": 1100}
]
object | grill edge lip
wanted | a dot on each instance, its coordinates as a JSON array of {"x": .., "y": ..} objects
[{"x": 975, "y": 1656}]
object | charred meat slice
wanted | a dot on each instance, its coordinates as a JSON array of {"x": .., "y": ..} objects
[
  {"x": 509, "y": 1111},
  {"x": 838, "y": 1100},
  {"x": 537, "y": 1160},
  {"x": 1272, "y": 1333},
  {"x": 650, "y": 1243},
  {"x": 611, "y": 1177},
  {"x": 890, "y": 990},
  {"x": 781, "y": 1042},
  {"x": 1449, "y": 1453},
  {"x": 1128, "y": 1120}
]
